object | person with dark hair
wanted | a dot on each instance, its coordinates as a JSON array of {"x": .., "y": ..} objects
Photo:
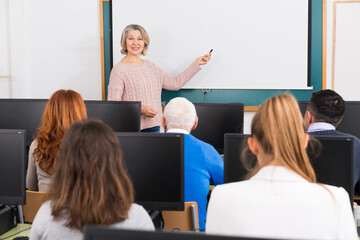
[
  {"x": 325, "y": 106},
  {"x": 90, "y": 187},
  {"x": 325, "y": 111},
  {"x": 282, "y": 199}
]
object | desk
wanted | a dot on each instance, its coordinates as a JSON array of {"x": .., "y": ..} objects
[{"x": 19, "y": 231}]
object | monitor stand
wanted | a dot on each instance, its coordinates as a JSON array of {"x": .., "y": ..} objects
[
  {"x": 157, "y": 218},
  {"x": 21, "y": 215},
  {"x": 7, "y": 219}
]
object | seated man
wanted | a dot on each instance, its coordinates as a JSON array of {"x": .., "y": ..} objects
[
  {"x": 202, "y": 161},
  {"x": 324, "y": 113}
]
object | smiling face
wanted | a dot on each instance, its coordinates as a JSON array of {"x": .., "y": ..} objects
[{"x": 134, "y": 43}]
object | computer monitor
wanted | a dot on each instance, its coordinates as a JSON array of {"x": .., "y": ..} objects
[
  {"x": 103, "y": 233},
  {"x": 303, "y": 106},
  {"x": 22, "y": 114},
  {"x": 216, "y": 119},
  {"x": 121, "y": 116},
  {"x": 333, "y": 165},
  {"x": 155, "y": 162},
  {"x": 234, "y": 169},
  {"x": 350, "y": 122},
  {"x": 12, "y": 166}
]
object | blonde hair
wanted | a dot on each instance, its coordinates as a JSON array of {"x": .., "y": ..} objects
[
  {"x": 144, "y": 35},
  {"x": 279, "y": 128}
]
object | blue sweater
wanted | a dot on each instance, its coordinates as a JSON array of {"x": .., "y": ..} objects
[
  {"x": 356, "y": 154},
  {"x": 202, "y": 163}
]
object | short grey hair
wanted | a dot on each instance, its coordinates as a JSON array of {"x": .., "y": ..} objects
[
  {"x": 180, "y": 112},
  {"x": 144, "y": 35}
]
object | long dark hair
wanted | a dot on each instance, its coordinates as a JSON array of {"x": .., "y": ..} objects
[{"x": 90, "y": 184}]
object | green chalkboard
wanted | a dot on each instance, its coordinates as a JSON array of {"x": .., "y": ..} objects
[{"x": 247, "y": 97}]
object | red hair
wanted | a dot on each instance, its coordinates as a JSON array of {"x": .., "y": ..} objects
[{"x": 64, "y": 108}]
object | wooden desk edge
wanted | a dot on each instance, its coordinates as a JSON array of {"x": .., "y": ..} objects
[
  {"x": 251, "y": 108},
  {"x": 23, "y": 229}
]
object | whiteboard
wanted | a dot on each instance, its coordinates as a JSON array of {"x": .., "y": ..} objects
[
  {"x": 54, "y": 45},
  {"x": 258, "y": 44},
  {"x": 346, "y": 55}
]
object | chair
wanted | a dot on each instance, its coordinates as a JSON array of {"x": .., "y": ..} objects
[
  {"x": 34, "y": 200},
  {"x": 187, "y": 220}
]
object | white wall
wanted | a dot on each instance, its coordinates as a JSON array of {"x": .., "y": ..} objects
[
  {"x": 347, "y": 48},
  {"x": 247, "y": 121},
  {"x": 347, "y": 82},
  {"x": 5, "y": 83},
  {"x": 54, "y": 44}
]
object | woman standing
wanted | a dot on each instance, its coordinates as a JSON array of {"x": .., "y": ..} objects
[{"x": 135, "y": 79}]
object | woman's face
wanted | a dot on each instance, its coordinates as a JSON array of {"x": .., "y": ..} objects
[{"x": 134, "y": 43}]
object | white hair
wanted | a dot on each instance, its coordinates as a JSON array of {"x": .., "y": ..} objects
[{"x": 180, "y": 113}]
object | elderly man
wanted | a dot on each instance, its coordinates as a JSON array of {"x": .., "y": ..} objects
[
  {"x": 202, "y": 162},
  {"x": 324, "y": 113}
]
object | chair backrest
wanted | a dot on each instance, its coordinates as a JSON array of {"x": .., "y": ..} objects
[
  {"x": 34, "y": 200},
  {"x": 187, "y": 220},
  {"x": 355, "y": 212}
]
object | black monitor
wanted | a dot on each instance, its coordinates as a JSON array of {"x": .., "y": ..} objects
[
  {"x": 12, "y": 166},
  {"x": 22, "y": 114},
  {"x": 351, "y": 119},
  {"x": 155, "y": 162},
  {"x": 102, "y": 233},
  {"x": 334, "y": 165},
  {"x": 121, "y": 116},
  {"x": 234, "y": 170},
  {"x": 303, "y": 106},
  {"x": 216, "y": 119}
]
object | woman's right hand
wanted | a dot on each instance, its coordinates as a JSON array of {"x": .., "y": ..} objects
[{"x": 148, "y": 111}]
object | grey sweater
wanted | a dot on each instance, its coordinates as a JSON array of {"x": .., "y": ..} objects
[
  {"x": 36, "y": 178},
  {"x": 45, "y": 227}
]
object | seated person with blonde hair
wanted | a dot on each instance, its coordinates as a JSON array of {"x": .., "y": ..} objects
[
  {"x": 282, "y": 199},
  {"x": 202, "y": 162}
]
